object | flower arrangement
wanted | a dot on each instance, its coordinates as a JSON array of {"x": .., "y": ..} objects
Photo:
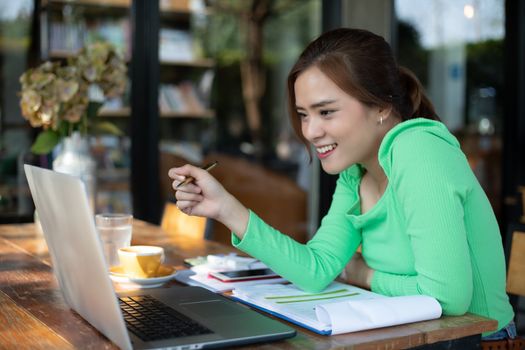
[{"x": 63, "y": 98}]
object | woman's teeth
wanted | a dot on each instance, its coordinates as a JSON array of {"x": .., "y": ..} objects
[{"x": 325, "y": 149}]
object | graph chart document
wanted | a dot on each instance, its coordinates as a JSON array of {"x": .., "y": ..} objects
[{"x": 340, "y": 308}]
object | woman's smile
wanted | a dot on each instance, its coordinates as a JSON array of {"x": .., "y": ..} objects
[{"x": 325, "y": 151}]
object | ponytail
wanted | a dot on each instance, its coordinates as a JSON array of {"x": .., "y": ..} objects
[{"x": 414, "y": 102}]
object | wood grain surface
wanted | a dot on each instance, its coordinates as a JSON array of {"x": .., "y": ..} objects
[{"x": 33, "y": 313}]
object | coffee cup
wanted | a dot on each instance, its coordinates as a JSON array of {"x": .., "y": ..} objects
[{"x": 141, "y": 261}]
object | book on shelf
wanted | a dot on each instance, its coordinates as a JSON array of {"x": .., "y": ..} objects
[
  {"x": 189, "y": 96},
  {"x": 170, "y": 99},
  {"x": 67, "y": 37},
  {"x": 175, "y": 45},
  {"x": 340, "y": 308},
  {"x": 115, "y": 31},
  {"x": 70, "y": 37},
  {"x": 180, "y": 98}
]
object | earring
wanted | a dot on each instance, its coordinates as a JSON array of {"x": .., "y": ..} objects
[{"x": 380, "y": 120}]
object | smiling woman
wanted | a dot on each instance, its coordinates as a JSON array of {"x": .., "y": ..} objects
[
  {"x": 342, "y": 130},
  {"x": 405, "y": 191}
]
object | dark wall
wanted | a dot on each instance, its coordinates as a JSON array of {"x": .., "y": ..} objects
[{"x": 514, "y": 117}]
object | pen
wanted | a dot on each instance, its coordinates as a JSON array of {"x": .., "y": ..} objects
[{"x": 190, "y": 179}]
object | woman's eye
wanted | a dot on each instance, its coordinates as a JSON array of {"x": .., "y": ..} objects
[
  {"x": 301, "y": 115},
  {"x": 326, "y": 112}
]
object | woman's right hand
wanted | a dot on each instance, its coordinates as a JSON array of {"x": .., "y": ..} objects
[{"x": 205, "y": 196}]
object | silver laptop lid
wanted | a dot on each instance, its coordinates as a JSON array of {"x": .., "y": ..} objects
[{"x": 76, "y": 251}]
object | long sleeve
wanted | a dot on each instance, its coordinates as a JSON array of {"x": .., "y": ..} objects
[
  {"x": 314, "y": 265},
  {"x": 431, "y": 180}
]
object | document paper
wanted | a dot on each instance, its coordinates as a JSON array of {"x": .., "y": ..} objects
[{"x": 340, "y": 308}]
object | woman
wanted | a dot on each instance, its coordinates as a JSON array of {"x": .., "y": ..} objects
[{"x": 405, "y": 191}]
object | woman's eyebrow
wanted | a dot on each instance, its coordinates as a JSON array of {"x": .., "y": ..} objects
[{"x": 318, "y": 104}]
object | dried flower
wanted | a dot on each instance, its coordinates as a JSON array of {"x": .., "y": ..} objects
[{"x": 56, "y": 97}]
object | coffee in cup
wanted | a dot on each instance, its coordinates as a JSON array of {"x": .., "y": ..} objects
[{"x": 141, "y": 261}]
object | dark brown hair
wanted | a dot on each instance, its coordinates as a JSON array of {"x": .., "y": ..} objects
[{"x": 362, "y": 64}]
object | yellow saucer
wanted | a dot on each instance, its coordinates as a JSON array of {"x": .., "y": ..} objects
[{"x": 164, "y": 270}]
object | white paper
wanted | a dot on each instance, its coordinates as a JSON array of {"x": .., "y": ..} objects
[
  {"x": 228, "y": 263},
  {"x": 357, "y": 315},
  {"x": 340, "y": 308}
]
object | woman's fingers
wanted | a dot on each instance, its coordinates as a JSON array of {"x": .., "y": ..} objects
[
  {"x": 188, "y": 196},
  {"x": 182, "y": 204},
  {"x": 185, "y": 171},
  {"x": 172, "y": 173},
  {"x": 186, "y": 206},
  {"x": 190, "y": 187},
  {"x": 181, "y": 174}
]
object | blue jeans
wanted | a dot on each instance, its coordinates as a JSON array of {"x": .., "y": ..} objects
[{"x": 507, "y": 332}]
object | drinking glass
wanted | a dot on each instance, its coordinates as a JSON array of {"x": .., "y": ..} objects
[{"x": 115, "y": 232}]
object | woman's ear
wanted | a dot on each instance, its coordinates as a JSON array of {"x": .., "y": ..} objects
[{"x": 384, "y": 113}]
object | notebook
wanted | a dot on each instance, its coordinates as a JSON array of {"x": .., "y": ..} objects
[
  {"x": 200, "y": 317},
  {"x": 339, "y": 308}
]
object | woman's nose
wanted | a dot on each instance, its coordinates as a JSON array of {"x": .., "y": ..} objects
[{"x": 312, "y": 129}]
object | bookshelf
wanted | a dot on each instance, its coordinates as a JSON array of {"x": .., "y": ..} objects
[
  {"x": 66, "y": 25},
  {"x": 186, "y": 76}
]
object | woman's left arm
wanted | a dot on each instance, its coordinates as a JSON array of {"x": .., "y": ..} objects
[{"x": 431, "y": 179}]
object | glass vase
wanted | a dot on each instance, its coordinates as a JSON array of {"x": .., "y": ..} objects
[{"x": 74, "y": 158}]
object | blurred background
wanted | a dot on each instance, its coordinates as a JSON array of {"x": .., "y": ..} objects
[{"x": 205, "y": 81}]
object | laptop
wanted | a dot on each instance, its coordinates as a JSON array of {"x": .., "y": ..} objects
[{"x": 175, "y": 318}]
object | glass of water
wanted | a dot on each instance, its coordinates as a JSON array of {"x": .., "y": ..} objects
[{"x": 115, "y": 233}]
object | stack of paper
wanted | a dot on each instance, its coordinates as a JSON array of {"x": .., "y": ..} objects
[
  {"x": 199, "y": 275},
  {"x": 191, "y": 278}
]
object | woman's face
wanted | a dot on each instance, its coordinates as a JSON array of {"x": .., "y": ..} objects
[{"x": 342, "y": 130}]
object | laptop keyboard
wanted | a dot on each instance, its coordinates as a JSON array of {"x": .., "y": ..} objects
[{"x": 150, "y": 319}]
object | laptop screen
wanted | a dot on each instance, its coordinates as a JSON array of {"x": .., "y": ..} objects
[{"x": 75, "y": 249}]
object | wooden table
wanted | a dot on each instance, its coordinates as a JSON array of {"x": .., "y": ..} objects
[{"x": 33, "y": 313}]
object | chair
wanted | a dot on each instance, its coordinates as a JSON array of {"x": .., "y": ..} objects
[
  {"x": 175, "y": 222},
  {"x": 275, "y": 197},
  {"x": 515, "y": 286},
  {"x": 516, "y": 269}
]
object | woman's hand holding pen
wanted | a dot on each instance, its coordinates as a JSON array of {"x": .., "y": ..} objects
[
  {"x": 190, "y": 197},
  {"x": 205, "y": 196}
]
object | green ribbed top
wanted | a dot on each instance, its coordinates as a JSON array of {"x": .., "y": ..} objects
[{"x": 433, "y": 231}]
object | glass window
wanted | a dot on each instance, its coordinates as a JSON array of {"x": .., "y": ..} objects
[
  {"x": 254, "y": 45},
  {"x": 456, "y": 49},
  {"x": 16, "y": 27}
]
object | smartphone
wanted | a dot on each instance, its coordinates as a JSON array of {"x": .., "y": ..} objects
[{"x": 243, "y": 275}]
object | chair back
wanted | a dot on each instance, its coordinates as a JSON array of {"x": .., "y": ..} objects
[
  {"x": 175, "y": 222},
  {"x": 516, "y": 269},
  {"x": 515, "y": 286}
]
